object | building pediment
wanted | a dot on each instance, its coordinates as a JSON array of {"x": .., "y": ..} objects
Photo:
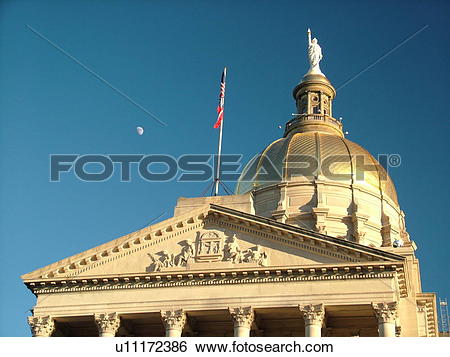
[{"x": 210, "y": 239}]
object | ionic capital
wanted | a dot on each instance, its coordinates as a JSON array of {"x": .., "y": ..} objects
[
  {"x": 173, "y": 319},
  {"x": 385, "y": 312},
  {"x": 242, "y": 316},
  {"x": 41, "y": 326},
  {"x": 107, "y": 324},
  {"x": 313, "y": 314}
]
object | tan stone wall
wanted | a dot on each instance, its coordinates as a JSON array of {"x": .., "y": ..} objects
[{"x": 243, "y": 203}]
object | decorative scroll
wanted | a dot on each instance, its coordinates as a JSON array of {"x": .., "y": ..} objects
[
  {"x": 173, "y": 319},
  {"x": 313, "y": 314},
  {"x": 386, "y": 312},
  {"x": 41, "y": 326},
  {"x": 242, "y": 316},
  {"x": 107, "y": 323}
]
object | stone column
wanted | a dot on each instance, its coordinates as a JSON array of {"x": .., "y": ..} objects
[
  {"x": 107, "y": 324},
  {"x": 243, "y": 318},
  {"x": 41, "y": 326},
  {"x": 173, "y": 321},
  {"x": 313, "y": 314},
  {"x": 386, "y": 314}
]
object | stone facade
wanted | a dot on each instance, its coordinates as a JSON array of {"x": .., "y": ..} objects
[{"x": 311, "y": 284}]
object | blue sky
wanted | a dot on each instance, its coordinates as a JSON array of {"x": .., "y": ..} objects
[{"x": 168, "y": 56}]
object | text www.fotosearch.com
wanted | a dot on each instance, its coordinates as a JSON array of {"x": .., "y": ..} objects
[{"x": 169, "y": 346}]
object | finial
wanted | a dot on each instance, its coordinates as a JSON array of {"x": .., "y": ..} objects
[{"x": 314, "y": 55}]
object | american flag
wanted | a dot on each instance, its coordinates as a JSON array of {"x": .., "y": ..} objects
[{"x": 221, "y": 100}]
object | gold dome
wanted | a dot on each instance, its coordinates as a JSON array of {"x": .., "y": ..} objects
[{"x": 338, "y": 159}]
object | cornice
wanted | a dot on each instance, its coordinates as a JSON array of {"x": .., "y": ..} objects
[{"x": 223, "y": 277}]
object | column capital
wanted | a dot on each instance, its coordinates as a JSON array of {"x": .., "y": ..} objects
[
  {"x": 313, "y": 314},
  {"x": 41, "y": 326},
  {"x": 385, "y": 312},
  {"x": 107, "y": 324},
  {"x": 173, "y": 319},
  {"x": 243, "y": 316}
]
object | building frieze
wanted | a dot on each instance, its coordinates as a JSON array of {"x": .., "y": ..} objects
[{"x": 224, "y": 277}]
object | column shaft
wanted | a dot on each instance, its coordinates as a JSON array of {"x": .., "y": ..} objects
[
  {"x": 386, "y": 329},
  {"x": 242, "y": 331},
  {"x": 313, "y": 330},
  {"x": 173, "y": 333}
]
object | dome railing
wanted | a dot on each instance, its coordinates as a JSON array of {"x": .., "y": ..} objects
[{"x": 302, "y": 119}]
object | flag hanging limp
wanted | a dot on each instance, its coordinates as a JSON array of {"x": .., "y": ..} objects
[{"x": 221, "y": 100}]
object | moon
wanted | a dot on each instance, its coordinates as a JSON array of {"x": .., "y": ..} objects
[{"x": 140, "y": 130}]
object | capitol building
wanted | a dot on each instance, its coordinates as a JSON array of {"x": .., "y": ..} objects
[{"x": 312, "y": 243}]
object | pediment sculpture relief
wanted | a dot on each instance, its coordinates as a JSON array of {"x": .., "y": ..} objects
[
  {"x": 210, "y": 246},
  {"x": 252, "y": 255},
  {"x": 164, "y": 259}
]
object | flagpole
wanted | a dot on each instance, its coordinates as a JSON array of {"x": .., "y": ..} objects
[{"x": 219, "y": 150}]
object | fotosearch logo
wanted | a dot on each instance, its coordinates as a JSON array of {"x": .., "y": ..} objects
[{"x": 201, "y": 167}]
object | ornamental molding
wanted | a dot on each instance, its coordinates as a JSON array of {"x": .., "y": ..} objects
[
  {"x": 243, "y": 276},
  {"x": 41, "y": 326},
  {"x": 386, "y": 312},
  {"x": 197, "y": 220},
  {"x": 313, "y": 314},
  {"x": 173, "y": 319},
  {"x": 107, "y": 323},
  {"x": 242, "y": 316}
]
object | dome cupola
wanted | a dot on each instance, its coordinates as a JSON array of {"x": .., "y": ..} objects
[{"x": 317, "y": 179}]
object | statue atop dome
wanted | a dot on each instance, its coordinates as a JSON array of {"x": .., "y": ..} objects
[{"x": 314, "y": 55}]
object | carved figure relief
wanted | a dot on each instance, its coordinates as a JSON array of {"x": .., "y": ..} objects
[
  {"x": 232, "y": 251},
  {"x": 165, "y": 260},
  {"x": 256, "y": 255},
  {"x": 210, "y": 247},
  {"x": 187, "y": 252},
  {"x": 161, "y": 260}
]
